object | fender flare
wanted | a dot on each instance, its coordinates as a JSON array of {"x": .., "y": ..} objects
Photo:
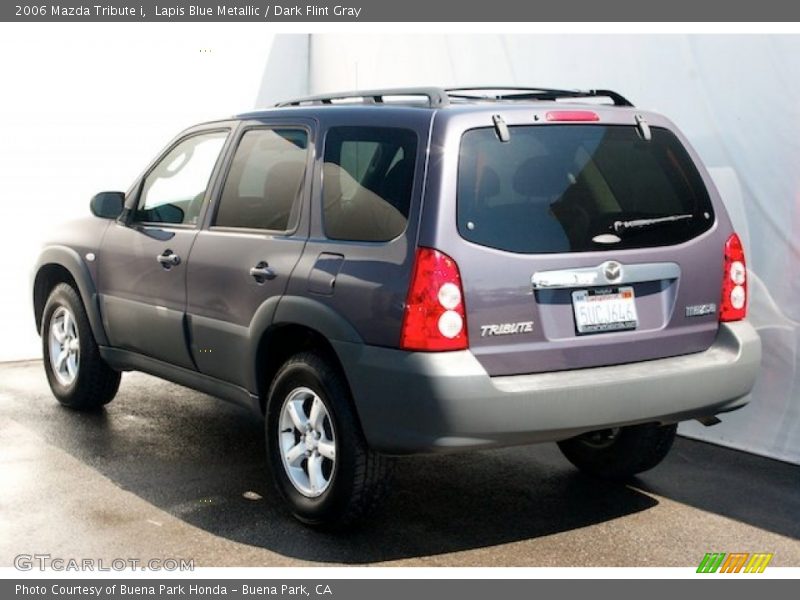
[
  {"x": 296, "y": 310},
  {"x": 69, "y": 259}
]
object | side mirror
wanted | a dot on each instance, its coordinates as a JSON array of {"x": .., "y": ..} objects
[{"x": 107, "y": 205}]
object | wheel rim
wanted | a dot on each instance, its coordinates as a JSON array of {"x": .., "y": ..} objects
[
  {"x": 307, "y": 442},
  {"x": 65, "y": 347}
]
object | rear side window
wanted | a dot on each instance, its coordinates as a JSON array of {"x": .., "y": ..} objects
[
  {"x": 262, "y": 189},
  {"x": 368, "y": 175},
  {"x": 576, "y": 188}
]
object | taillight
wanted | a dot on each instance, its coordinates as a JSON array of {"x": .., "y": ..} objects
[
  {"x": 734, "y": 282},
  {"x": 434, "y": 318}
]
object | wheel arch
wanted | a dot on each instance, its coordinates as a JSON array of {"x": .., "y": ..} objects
[
  {"x": 298, "y": 324},
  {"x": 60, "y": 264}
]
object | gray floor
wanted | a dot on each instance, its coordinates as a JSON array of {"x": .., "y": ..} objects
[{"x": 162, "y": 472}]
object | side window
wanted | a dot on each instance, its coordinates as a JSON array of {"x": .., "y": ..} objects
[
  {"x": 173, "y": 192},
  {"x": 368, "y": 175},
  {"x": 265, "y": 179}
]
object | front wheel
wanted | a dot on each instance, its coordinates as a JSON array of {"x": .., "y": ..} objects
[
  {"x": 622, "y": 452},
  {"x": 320, "y": 461},
  {"x": 77, "y": 374}
]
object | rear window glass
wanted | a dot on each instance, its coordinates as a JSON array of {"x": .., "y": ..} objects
[
  {"x": 368, "y": 176},
  {"x": 575, "y": 188}
]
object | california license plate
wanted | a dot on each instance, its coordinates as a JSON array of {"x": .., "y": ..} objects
[{"x": 606, "y": 309}]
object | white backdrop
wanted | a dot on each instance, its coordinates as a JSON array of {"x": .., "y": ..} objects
[{"x": 86, "y": 107}]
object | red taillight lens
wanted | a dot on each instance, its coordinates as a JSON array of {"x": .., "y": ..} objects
[
  {"x": 434, "y": 317},
  {"x": 734, "y": 282},
  {"x": 571, "y": 115}
]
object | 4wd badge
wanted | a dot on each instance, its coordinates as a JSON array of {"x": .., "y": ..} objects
[{"x": 698, "y": 310}]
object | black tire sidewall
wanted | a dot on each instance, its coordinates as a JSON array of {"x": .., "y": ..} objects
[
  {"x": 61, "y": 296},
  {"x": 638, "y": 448},
  {"x": 309, "y": 371},
  {"x": 96, "y": 383}
]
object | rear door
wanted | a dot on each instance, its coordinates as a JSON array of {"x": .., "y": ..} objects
[
  {"x": 583, "y": 243},
  {"x": 242, "y": 261},
  {"x": 142, "y": 264}
]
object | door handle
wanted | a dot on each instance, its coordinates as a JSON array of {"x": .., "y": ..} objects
[
  {"x": 168, "y": 259},
  {"x": 262, "y": 271}
]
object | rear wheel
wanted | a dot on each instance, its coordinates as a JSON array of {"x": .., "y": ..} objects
[
  {"x": 78, "y": 376},
  {"x": 320, "y": 461},
  {"x": 621, "y": 452}
]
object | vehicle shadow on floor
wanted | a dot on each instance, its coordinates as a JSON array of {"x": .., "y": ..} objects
[{"x": 196, "y": 457}]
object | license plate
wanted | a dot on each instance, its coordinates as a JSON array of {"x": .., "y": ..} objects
[{"x": 607, "y": 309}]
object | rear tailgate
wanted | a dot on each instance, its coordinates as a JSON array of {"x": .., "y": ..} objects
[{"x": 580, "y": 244}]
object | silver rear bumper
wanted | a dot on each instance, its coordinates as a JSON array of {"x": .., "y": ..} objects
[{"x": 412, "y": 402}]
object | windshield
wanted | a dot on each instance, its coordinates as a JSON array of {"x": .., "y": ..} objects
[{"x": 566, "y": 188}]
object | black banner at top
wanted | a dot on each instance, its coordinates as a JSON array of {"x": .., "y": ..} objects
[{"x": 317, "y": 11}]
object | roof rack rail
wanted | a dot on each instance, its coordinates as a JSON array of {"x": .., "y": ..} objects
[
  {"x": 439, "y": 97},
  {"x": 435, "y": 97},
  {"x": 522, "y": 93}
]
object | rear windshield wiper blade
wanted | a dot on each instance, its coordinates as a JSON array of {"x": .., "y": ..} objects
[{"x": 620, "y": 226}]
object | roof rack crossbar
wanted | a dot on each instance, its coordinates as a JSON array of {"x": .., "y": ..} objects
[
  {"x": 436, "y": 97},
  {"x": 522, "y": 93}
]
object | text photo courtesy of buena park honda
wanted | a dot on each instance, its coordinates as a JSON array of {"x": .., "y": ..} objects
[{"x": 457, "y": 300}]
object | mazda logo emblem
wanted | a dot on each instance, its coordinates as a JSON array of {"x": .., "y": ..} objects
[{"x": 613, "y": 271}]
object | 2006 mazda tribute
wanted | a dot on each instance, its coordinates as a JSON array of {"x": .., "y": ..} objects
[{"x": 418, "y": 270}]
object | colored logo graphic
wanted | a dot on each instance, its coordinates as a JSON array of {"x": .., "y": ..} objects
[{"x": 734, "y": 562}]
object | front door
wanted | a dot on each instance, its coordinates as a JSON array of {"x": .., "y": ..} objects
[
  {"x": 244, "y": 259},
  {"x": 142, "y": 264}
]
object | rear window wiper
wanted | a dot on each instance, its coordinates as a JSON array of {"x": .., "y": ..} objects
[{"x": 620, "y": 226}]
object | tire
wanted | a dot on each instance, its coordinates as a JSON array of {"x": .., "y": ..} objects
[
  {"x": 346, "y": 487},
  {"x": 618, "y": 454},
  {"x": 83, "y": 380}
]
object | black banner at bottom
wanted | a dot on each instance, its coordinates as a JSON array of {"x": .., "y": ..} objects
[{"x": 733, "y": 587}]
